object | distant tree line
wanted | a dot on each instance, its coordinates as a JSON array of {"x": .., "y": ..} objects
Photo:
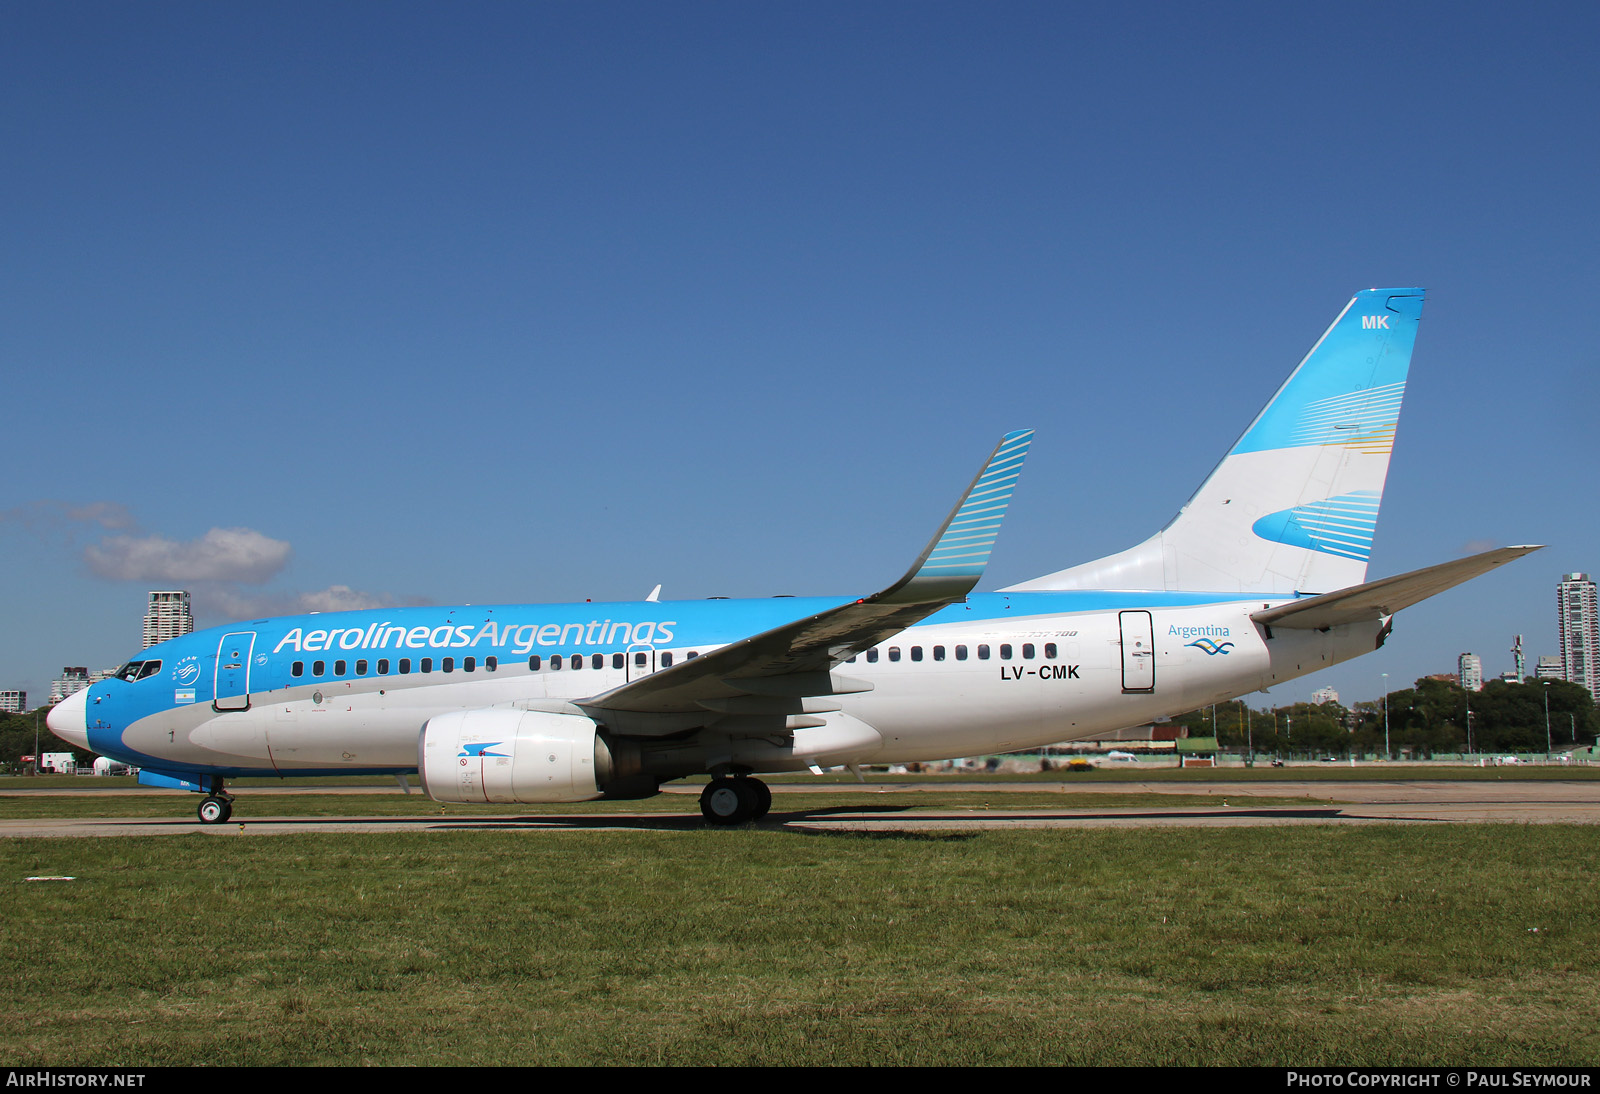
[
  {"x": 1427, "y": 718},
  {"x": 16, "y": 740}
]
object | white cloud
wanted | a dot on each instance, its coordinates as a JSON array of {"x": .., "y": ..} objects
[
  {"x": 50, "y": 515},
  {"x": 215, "y": 568},
  {"x": 220, "y": 604},
  {"x": 222, "y": 554},
  {"x": 342, "y": 598},
  {"x": 110, "y": 515}
]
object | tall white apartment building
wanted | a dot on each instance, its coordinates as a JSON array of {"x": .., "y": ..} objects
[
  {"x": 13, "y": 702},
  {"x": 1469, "y": 670},
  {"x": 167, "y": 617},
  {"x": 1579, "y": 627}
]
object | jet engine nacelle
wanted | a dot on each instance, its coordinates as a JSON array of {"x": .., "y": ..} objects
[{"x": 511, "y": 756}]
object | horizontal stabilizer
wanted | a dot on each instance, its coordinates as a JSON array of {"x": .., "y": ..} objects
[{"x": 1376, "y": 599}]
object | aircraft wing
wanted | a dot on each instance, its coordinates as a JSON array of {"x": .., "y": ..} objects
[
  {"x": 1376, "y": 599},
  {"x": 796, "y": 659}
]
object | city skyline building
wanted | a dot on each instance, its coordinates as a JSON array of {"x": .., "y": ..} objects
[
  {"x": 167, "y": 617},
  {"x": 13, "y": 702},
  {"x": 1579, "y": 627},
  {"x": 1547, "y": 668},
  {"x": 73, "y": 679},
  {"x": 1469, "y": 670}
]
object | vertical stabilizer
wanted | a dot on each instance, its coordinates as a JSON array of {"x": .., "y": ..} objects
[{"x": 1293, "y": 507}]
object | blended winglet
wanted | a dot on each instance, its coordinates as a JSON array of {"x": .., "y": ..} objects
[
  {"x": 950, "y": 566},
  {"x": 804, "y": 653}
]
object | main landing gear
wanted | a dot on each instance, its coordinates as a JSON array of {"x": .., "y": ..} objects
[
  {"x": 735, "y": 800},
  {"x": 217, "y": 806}
]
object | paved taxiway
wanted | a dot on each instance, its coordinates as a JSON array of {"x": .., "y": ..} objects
[{"x": 1355, "y": 802}]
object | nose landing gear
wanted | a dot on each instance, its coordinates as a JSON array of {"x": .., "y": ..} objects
[
  {"x": 217, "y": 806},
  {"x": 214, "y": 810}
]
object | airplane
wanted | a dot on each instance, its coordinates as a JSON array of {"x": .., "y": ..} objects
[{"x": 1259, "y": 579}]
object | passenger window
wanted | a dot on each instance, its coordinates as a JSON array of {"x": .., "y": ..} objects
[
  {"x": 872, "y": 656},
  {"x": 555, "y": 662},
  {"x": 297, "y": 669},
  {"x": 618, "y": 660},
  {"x": 666, "y": 660},
  {"x": 361, "y": 668},
  {"x": 691, "y": 655},
  {"x": 575, "y": 662},
  {"x": 469, "y": 664},
  {"x": 405, "y": 665},
  {"x": 916, "y": 653},
  {"x": 449, "y": 664},
  {"x": 1027, "y": 650},
  {"x": 1050, "y": 650},
  {"x": 894, "y": 653},
  {"x": 317, "y": 667},
  {"x": 427, "y": 664},
  {"x": 938, "y": 653},
  {"x": 383, "y": 666},
  {"x": 533, "y": 663},
  {"x": 491, "y": 663},
  {"x": 338, "y": 668},
  {"x": 598, "y": 661},
  {"x": 640, "y": 660},
  {"x": 961, "y": 653},
  {"x": 850, "y": 660},
  {"x": 1005, "y": 652},
  {"x": 983, "y": 653}
]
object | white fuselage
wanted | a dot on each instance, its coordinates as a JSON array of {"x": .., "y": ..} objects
[{"x": 942, "y": 689}]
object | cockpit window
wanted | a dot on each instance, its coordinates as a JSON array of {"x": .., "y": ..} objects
[
  {"x": 150, "y": 669},
  {"x": 130, "y": 671}
]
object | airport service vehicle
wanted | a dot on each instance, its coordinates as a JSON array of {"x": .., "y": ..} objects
[{"x": 1260, "y": 578}]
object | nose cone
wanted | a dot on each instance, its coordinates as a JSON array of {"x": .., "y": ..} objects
[{"x": 69, "y": 719}]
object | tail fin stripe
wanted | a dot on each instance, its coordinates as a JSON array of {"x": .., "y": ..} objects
[{"x": 1294, "y": 503}]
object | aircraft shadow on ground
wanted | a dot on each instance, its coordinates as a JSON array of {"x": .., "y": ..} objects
[
  {"x": 798, "y": 820},
  {"x": 879, "y": 813}
]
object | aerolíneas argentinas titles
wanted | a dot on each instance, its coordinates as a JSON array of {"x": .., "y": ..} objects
[{"x": 1260, "y": 578}]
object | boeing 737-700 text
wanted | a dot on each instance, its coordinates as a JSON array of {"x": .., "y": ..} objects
[{"x": 1260, "y": 578}]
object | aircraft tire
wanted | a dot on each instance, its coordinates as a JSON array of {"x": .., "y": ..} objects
[
  {"x": 728, "y": 801},
  {"x": 763, "y": 798},
  {"x": 214, "y": 810}
]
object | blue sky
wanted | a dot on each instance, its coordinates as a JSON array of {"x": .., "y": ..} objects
[{"x": 360, "y": 304}]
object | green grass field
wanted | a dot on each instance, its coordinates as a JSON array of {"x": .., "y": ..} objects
[{"x": 1341, "y": 946}]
